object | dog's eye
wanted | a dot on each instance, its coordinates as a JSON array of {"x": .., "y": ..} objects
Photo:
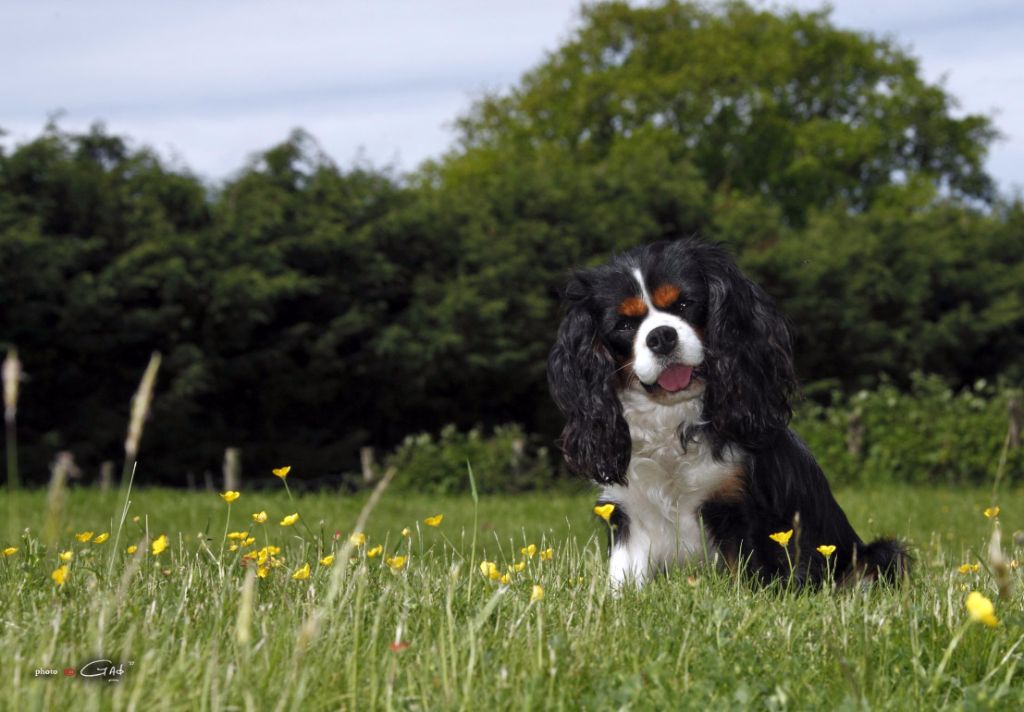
[
  {"x": 679, "y": 305},
  {"x": 625, "y": 325}
]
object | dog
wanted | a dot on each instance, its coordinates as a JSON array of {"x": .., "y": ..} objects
[{"x": 674, "y": 372}]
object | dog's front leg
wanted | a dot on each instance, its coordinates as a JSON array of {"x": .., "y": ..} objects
[{"x": 630, "y": 561}]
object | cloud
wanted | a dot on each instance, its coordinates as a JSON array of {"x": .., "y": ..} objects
[{"x": 214, "y": 81}]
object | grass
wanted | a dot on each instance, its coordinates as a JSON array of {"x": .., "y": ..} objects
[{"x": 198, "y": 631}]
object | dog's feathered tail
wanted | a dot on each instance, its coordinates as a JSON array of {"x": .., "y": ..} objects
[{"x": 884, "y": 559}]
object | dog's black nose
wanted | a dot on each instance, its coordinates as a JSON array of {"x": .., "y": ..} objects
[{"x": 662, "y": 340}]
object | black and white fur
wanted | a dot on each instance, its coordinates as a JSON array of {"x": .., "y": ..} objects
[{"x": 706, "y": 464}]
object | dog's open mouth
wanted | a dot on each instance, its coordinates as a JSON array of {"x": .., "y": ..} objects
[{"x": 673, "y": 379}]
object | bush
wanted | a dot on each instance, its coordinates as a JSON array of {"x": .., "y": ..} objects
[
  {"x": 506, "y": 460},
  {"x": 927, "y": 435}
]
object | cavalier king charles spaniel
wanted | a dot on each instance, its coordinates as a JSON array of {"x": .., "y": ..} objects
[{"x": 675, "y": 375}]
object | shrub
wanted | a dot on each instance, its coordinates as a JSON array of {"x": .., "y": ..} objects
[
  {"x": 929, "y": 434},
  {"x": 504, "y": 460}
]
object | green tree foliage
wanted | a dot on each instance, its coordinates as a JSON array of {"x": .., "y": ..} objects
[{"x": 305, "y": 310}]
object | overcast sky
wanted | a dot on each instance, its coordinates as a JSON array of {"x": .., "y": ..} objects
[{"x": 211, "y": 81}]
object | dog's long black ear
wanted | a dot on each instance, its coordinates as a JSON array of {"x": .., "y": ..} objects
[
  {"x": 749, "y": 371},
  {"x": 581, "y": 373}
]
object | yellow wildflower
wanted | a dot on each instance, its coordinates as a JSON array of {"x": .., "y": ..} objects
[
  {"x": 249, "y": 541},
  {"x": 490, "y": 570},
  {"x": 302, "y": 573},
  {"x": 375, "y": 551},
  {"x": 405, "y": 531},
  {"x": 517, "y": 567},
  {"x": 233, "y": 547},
  {"x": 101, "y": 538},
  {"x": 357, "y": 539},
  {"x": 238, "y": 535},
  {"x": 136, "y": 518},
  {"x": 969, "y": 568},
  {"x": 159, "y": 544},
  {"x": 282, "y": 472},
  {"x": 66, "y": 555},
  {"x": 529, "y": 550},
  {"x": 505, "y": 579},
  {"x": 826, "y": 550},
  {"x": 536, "y": 593},
  {"x": 396, "y": 562},
  {"x": 259, "y": 517},
  {"x": 10, "y": 551},
  {"x": 230, "y": 496},
  {"x": 84, "y": 536},
  {"x": 547, "y": 554},
  {"x": 604, "y": 511},
  {"x": 991, "y": 512},
  {"x": 981, "y": 609},
  {"x": 290, "y": 519},
  {"x": 434, "y": 520},
  {"x": 60, "y": 574},
  {"x": 781, "y": 538},
  {"x": 327, "y": 560},
  {"x": 132, "y": 549},
  {"x": 262, "y": 571}
]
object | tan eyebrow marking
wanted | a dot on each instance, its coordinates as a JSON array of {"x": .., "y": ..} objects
[
  {"x": 632, "y": 306},
  {"x": 665, "y": 295}
]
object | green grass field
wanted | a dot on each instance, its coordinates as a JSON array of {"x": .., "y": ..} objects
[{"x": 196, "y": 630}]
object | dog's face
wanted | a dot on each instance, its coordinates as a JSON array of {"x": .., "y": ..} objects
[
  {"x": 676, "y": 320},
  {"x": 652, "y": 318}
]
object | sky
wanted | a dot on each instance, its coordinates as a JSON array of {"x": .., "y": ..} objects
[{"x": 209, "y": 83}]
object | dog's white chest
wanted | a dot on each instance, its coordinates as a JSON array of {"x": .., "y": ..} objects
[{"x": 665, "y": 489}]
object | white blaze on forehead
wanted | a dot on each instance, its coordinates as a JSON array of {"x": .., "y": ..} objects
[{"x": 648, "y": 365}]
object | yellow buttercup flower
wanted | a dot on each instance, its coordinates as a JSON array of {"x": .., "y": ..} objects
[
  {"x": 517, "y": 567},
  {"x": 434, "y": 520},
  {"x": 604, "y": 511},
  {"x": 259, "y": 517},
  {"x": 262, "y": 571},
  {"x": 357, "y": 539},
  {"x": 529, "y": 550},
  {"x": 10, "y": 551},
  {"x": 505, "y": 579},
  {"x": 781, "y": 538},
  {"x": 969, "y": 568},
  {"x": 84, "y": 536},
  {"x": 101, "y": 538},
  {"x": 991, "y": 512},
  {"x": 132, "y": 549},
  {"x": 826, "y": 550},
  {"x": 490, "y": 570},
  {"x": 237, "y": 535},
  {"x": 375, "y": 551},
  {"x": 396, "y": 562},
  {"x": 327, "y": 560},
  {"x": 66, "y": 555},
  {"x": 159, "y": 544},
  {"x": 981, "y": 609},
  {"x": 302, "y": 573},
  {"x": 282, "y": 472},
  {"x": 290, "y": 519},
  {"x": 536, "y": 593},
  {"x": 405, "y": 531},
  {"x": 233, "y": 547},
  {"x": 60, "y": 574},
  {"x": 230, "y": 496},
  {"x": 547, "y": 554}
]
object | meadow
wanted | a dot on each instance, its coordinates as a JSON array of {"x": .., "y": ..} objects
[{"x": 422, "y": 623}]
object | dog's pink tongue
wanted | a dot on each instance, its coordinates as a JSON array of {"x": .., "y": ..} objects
[{"x": 675, "y": 378}]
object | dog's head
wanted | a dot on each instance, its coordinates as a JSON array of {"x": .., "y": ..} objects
[{"x": 673, "y": 321}]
